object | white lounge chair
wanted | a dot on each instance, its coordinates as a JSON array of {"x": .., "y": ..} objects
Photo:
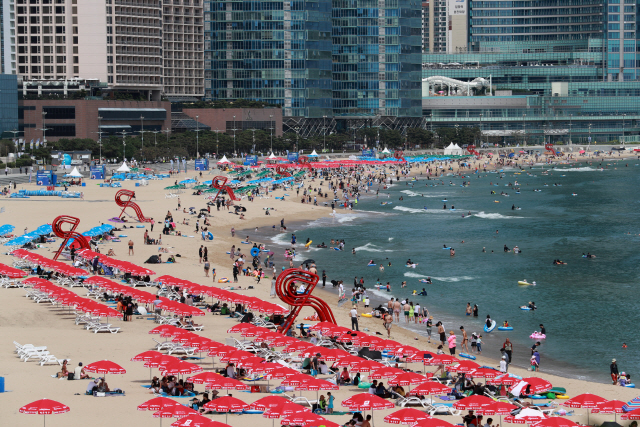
[
  {"x": 105, "y": 327},
  {"x": 50, "y": 358},
  {"x": 34, "y": 354}
]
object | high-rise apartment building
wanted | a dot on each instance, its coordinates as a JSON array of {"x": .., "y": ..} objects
[
  {"x": 183, "y": 48},
  {"x": 129, "y": 44},
  {"x": 444, "y": 26}
]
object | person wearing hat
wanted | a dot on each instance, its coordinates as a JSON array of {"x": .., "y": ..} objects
[
  {"x": 111, "y": 252},
  {"x": 614, "y": 371},
  {"x": 503, "y": 364},
  {"x": 354, "y": 318}
]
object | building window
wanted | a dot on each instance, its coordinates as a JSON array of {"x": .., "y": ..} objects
[
  {"x": 60, "y": 113},
  {"x": 61, "y": 129}
]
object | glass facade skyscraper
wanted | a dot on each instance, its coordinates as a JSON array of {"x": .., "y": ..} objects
[
  {"x": 532, "y": 24},
  {"x": 376, "y": 58},
  {"x": 277, "y": 52},
  {"x": 318, "y": 59}
]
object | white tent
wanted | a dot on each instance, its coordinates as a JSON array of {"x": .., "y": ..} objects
[
  {"x": 224, "y": 160},
  {"x": 386, "y": 151},
  {"x": 453, "y": 150},
  {"x": 271, "y": 156},
  {"x": 74, "y": 173},
  {"x": 123, "y": 168},
  {"x": 314, "y": 154}
]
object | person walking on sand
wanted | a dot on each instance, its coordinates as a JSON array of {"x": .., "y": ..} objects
[
  {"x": 130, "y": 247},
  {"x": 207, "y": 266},
  {"x": 200, "y": 253},
  {"x": 387, "y": 323},
  {"x": 508, "y": 348},
  {"x": 396, "y": 310},
  {"x": 452, "y": 343},
  {"x": 465, "y": 340},
  {"x": 233, "y": 232}
]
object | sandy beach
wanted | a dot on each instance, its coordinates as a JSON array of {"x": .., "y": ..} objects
[{"x": 24, "y": 321}]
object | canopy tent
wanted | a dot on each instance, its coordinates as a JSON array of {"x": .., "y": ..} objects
[
  {"x": 314, "y": 154},
  {"x": 452, "y": 149},
  {"x": 123, "y": 168},
  {"x": 224, "y": 160},
  {"x": 74, "y": 173},
  {"x": 272, "y": 156},
  {"x": 386, "y": 151}
]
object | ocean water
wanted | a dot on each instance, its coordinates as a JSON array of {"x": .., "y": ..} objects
[{"x": 589, "y": 307}]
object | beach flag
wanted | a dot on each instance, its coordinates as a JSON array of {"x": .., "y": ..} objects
[
  {"x": 184, "y": 164},
  {"x": 31, "y": 144},
  {"x": 37, "y": 142},
  {"x": 171, "y": 164}
]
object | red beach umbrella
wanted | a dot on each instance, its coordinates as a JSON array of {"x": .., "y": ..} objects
[
  {"x": 430, "y": 388},
  {"x": 267, "y": 402},
  {"x": 585, "y": 400},
  {"x": 407, "y": 378},
  {"x": 463, "y": 366},
  {"x": 535, "y": 386},
  {"x": 44, "y": 407},
  {"x": 365, "y": 401},
  {"x": 366, "y": 366},
  {"x": 176, "y": 411},
  {"x": 611, "y": 407},
  {"x": 226, "y": 404},
  {"x": 503, "y": 379},
  {"x": 408, "y": 416},
  {"x": 526, "y": 416},
  {"x": 196, "y": 420},
  {"x": 632, "y": 415},
  {"x": 11, "y": 272},
  {"x": 442, "y": 359},
  {"x": 386, "y": 372},
  {"x": 432, "y": 422},
  {"x": 473, "y": 403},
  {"x": 105, "y": 367},
  {"x": 556, "y": 422},
  {"x": 485, "y": 373},
  {"x": 156, "y": 404}
]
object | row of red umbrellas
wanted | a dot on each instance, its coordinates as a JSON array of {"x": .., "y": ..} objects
[
  {"x": 57, "y": 266},
  {"x": 121, "y": 265},
  {"x": 253, "y": 303},
  {"x": 145, "y": 297},
  {"x": 12, "y": 272},
  {"x": 71, "y": 299}
]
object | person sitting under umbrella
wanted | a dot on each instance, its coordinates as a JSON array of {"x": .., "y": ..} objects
[
  {"x": 345, "y": 378},
  {"x": 381, "y": 391}
]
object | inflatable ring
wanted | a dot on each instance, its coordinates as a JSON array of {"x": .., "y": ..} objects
[
  {"x": 255, "y": 252},
  {"x": 223, "y": 280},
  {"x": 562, "y": 396},
  {"x": 468, "y": 356},
  {"x": 139, "y": 226},
  {"x": 308, "y": 243},
  {"x": 122, "y": 235},
  {"x": 505, "y": 328},
  {"x": 366, "y": 315}
]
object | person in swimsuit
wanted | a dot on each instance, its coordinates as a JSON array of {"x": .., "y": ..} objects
[
  {"x": 465, "y": 340},
  {"x": 130, "y": 247},
  {"x": 396, "y": 310},
  {"x": 475, "y": 310},
  {"x": 443, "y": 337},
  {"x": 468, "y": 310}
]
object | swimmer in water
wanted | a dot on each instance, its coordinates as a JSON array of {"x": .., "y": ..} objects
[{"x": 445, "y": 206}]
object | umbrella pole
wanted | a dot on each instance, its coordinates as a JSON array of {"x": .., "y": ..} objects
[
  {"x": 226, "y": 416},
  {"x": 44, "y": 418}
]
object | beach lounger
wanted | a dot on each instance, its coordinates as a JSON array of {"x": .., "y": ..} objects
[
  {"x": 34, "y": 354},
  {"x": 163, "y": 345},
  {"x": 23, "y": 351},
  {"x": 23, "y": 347},
  {"x": 189, "y": 327},
  {"x": 494, "y": 396},
  {"x": 50, "y": 358},
  {"x": 179, "y": 348},
  {"x": 102, "y": 327}
]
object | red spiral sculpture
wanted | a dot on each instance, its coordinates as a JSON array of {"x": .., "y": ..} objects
[
  {"x": 550, "y": 151},
  {"x": 282, "y": 172},
  {"x": 123, "y": 199},
  {"x": 399, "y": 155},
  {"x": 286, "y": 289},
  {"x": 220, "y": 182},
  {"x": 472, "y": 150},
  {"x": 57, "y": 224},
  {"x": 303, "y": 161}
]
